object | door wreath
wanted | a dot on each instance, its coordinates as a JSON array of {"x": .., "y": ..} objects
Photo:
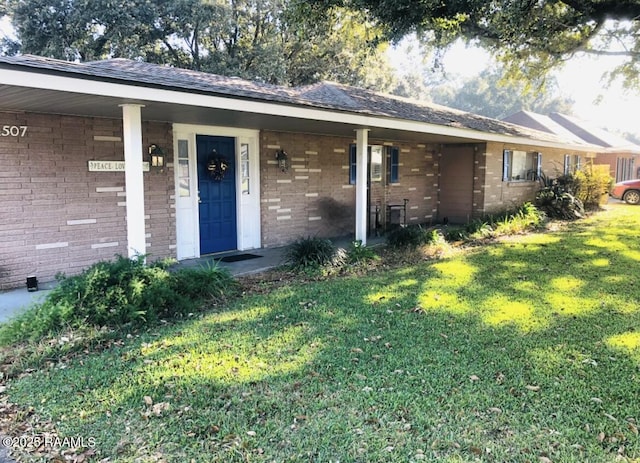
[{"x": 217, "y": 167}]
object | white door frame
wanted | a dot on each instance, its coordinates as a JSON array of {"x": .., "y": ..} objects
[{"x": 249, "y": 234}]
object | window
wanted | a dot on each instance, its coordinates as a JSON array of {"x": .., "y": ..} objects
[
  {"x": 624, "y": 169},
  {"x": 352, "y": 164},
  {"x": 394, "y": 165},
  {"x": 376, "y": 165},
  {"x": 520, "y": 166},
  {"x": 184, "y": 182},
  {"x": 572, "y": 164},
  {"x": 244, "y": 164}
]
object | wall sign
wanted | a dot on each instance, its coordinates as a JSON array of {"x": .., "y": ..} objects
[{"x": 112, "y": 166}]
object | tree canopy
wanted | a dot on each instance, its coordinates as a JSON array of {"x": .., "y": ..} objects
[
  {"x": 490, "y": 95},
  {"x": 256, "y": 39},
  {"x": 530, "y": 36}
]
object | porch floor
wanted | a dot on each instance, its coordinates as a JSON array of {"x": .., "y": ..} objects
[{"x": 14, "y": 301}]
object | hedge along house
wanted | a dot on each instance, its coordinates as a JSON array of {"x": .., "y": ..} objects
[{"x": 122, "y": 157}]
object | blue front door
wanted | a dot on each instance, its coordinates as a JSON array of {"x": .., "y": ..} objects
[{"x": 217, "y": 190}]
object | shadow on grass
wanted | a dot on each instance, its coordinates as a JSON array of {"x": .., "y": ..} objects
[{"x": 519, "y": 351}]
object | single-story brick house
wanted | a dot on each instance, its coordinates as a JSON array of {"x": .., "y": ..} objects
[
  {"x": 619, "y": 154},
  {"x": 123, "y": 157}
]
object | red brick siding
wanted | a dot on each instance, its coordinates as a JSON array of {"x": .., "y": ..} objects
[
  {"x": 499, "y": 196},
  {"x": 611, "y": 160},
  {"x": 314, "y": 197},
  {"x": 59, "y": 217}
]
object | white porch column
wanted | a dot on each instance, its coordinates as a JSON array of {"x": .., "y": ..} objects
[
  {"x": 362, "y": 142},
  {"x": 134, "y": 185}
]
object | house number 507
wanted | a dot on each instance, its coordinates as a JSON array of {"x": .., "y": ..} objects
[{"x": 13, "y": 131}]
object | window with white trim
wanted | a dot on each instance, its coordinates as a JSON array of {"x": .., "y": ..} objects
[
  {"x": 376, "y": 154},
  {"x": 184, "y": 181},
  {"x": 244, "y": 166},
  {"x": 521, "y": 166},
  {"x": 572, "y": 163}
]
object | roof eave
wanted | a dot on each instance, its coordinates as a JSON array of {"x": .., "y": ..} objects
[{"x": 124, "y": 90}]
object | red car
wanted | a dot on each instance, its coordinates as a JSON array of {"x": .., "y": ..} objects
[{"x": 628, "y": 191}]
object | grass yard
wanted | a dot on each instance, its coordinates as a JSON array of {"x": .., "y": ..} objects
[{"x": 527, "y": 350}]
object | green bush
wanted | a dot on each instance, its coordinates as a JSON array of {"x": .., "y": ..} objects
[
  {"x": 123, "y": 292},
  {"x": 406, "y": 237},
  {"x": 557, "y": 198},
  {"x": 456, "y": 233},
  {"x": 592, "y": 185},
  {"x": 479, "y": 229},
  {"x": 523, "y": 218},
  {"x": 358, "y": 253},
  {"x": 434, "y": 236},
  {"x": 310, "y": 253}
]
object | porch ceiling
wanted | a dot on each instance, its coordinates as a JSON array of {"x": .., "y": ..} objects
[{"x": 23, "y": 99}]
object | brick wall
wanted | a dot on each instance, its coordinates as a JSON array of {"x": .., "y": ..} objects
[
  {"x": 616, "y": 163},
  {"x": 314, "y": 197},
  {"x": 498, "y": 195},
  {"x": 59, "y": 217}
]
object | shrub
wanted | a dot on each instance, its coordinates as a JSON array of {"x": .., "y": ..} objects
[
  {"x": 406, "y": 237},
  {"x": 435, "y": 237},
  {"x": 358, "y": 253},
  {"x": 479, "y": 229},
  {"x": 592, "y": 185},
  {"x": 556, "y": 198},
  {"x": 523, "y": 218},
  {"x": 456, "y": 233},
  {"x": 310, "y": 253},
  {"x": 123, "y": 292}
]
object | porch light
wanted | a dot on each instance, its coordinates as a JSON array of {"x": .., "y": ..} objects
[
  {"x": 283, "y": 162},
  {"x": 156, "y": 156}
]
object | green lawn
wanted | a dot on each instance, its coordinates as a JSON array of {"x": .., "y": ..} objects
[{"x": 523, "y": 351}]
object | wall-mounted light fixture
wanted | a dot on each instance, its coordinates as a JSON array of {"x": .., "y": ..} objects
[
  {"x": 283, "y": 160},
  {"x": 156, "y": 156}
]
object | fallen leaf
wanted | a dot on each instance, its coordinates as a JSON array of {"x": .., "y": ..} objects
[
  {"x": 533, "y": 388},
  {"x": 251, "y": 433},
  {"x": 633, "y": 428},
  {"x": 495, "y": 410},
  {"x": 474, "y": 378},
  {"x": 148, "y": 400},
  {"x": 601, "y": 437},
  {"x": 545, "y": 460},
  {"x": 160, "y": 407}
]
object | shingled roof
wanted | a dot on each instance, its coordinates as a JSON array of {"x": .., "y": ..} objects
[{"x": 324, "y": 95}]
